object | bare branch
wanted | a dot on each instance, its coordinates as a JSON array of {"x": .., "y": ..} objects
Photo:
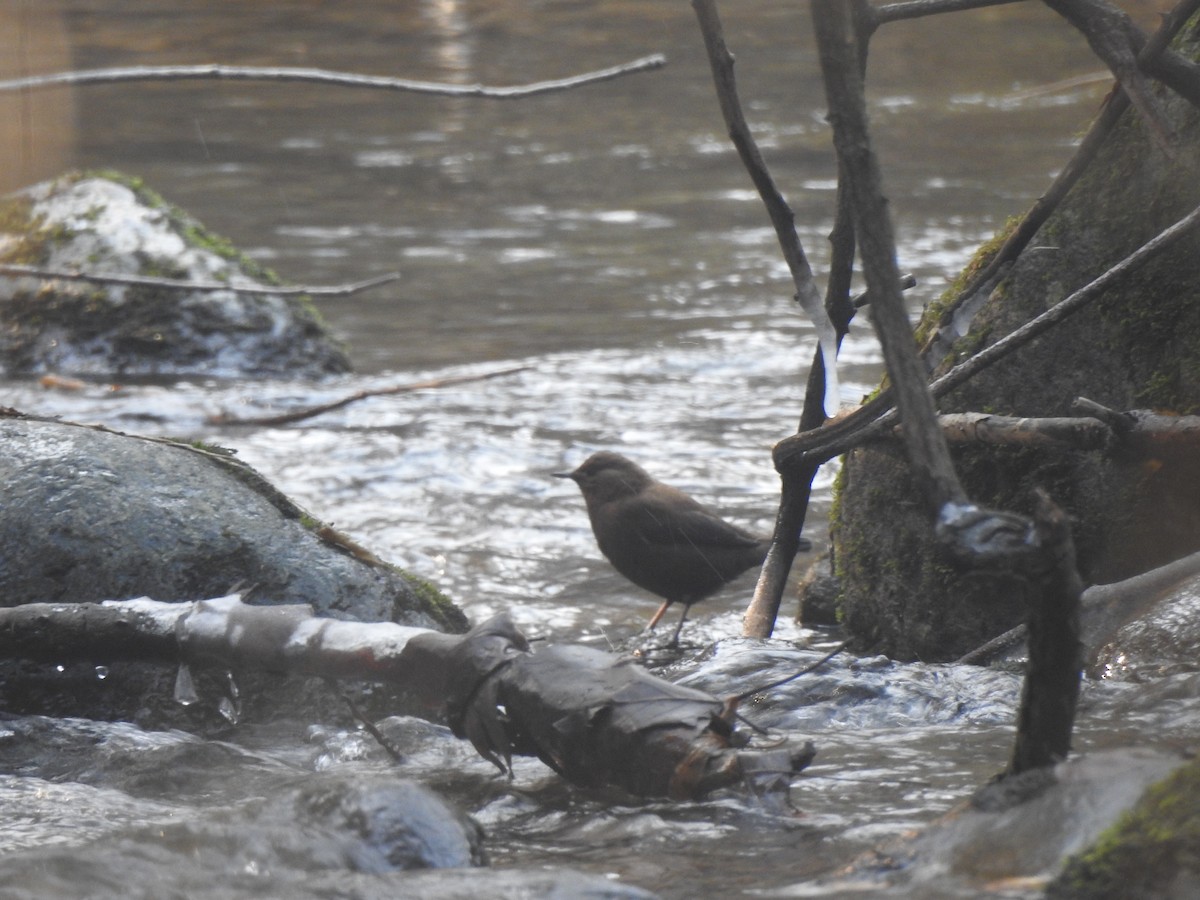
[
  {"x": 807, "y": 295},
  {"x": 1083, "y": 433},
  {"x": 177, "y": 284},
  {"x": 311, "y": 411},
  {"x": 1050, "y": 691},
  {"x": 323, "y": 76},
  {"x": 847, "y": 113},
  {"x": 1068, "y": 306},
  {"x": 1116, "y": 40}
]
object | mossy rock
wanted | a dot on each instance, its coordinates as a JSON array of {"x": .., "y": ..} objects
[
  {"x": 108, "y": 224},
  {"x": 1152, "y": 853},
  {"x": 1138, "y": 347}
]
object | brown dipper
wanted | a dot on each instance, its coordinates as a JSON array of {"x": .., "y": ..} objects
[{"x": 658, "y": 537}]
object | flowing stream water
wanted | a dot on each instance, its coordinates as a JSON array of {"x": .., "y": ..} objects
[{"x": 608, "y": 241}]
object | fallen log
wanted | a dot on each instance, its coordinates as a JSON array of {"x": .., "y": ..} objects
[{"x": 594, "y": 718}]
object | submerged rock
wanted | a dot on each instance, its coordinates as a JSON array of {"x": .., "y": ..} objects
[
  {"x": 92, "y": 515},
  {"x": 106, "y": 224},
  {"x": 387, "y": 824}
]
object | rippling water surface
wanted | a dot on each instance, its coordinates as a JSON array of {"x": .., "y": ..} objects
[{"x": 607, "y": 243}]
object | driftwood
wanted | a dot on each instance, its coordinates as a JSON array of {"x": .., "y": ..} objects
[
  {"x": 1050, "y": 691},
  {"x": 1104, "y": 609},
  {"x": 1139, "y": 432},
  {"x": 596, "y": 719},
  {"x": 822, "y": 390}
]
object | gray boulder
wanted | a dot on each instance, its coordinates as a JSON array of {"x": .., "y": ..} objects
[
  {"x": 111, "y": 225},
  {"x": 90, "y": 514}
]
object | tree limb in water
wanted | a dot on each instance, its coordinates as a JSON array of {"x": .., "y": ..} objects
[
  {"x": 596, "y": 719},
  {"x": 1050, "y": 691},
  {"x": 1105, "y": 608},
  {"x": 324, "y": 76},
  {"x": 311, "y": 411}
]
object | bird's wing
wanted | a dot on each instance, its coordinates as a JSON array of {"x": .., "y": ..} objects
[{"x": 663, "y": 526}]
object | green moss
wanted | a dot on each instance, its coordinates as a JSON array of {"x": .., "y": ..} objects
[
  {"x": 1150, "y": 847},
  {"x": 931, "y": 319},
  {"x": 31, "y": 248},
  {"x": 14, "y": 214},
  {"x": 159, "y": 267},
  {"x": 440, "y": 606}
]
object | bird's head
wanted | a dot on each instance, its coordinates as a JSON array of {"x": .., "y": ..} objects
[{"x": 606, "y": 476}]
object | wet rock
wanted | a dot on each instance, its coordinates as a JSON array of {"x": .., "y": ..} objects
[
  {"x": 819, "y": 591},
  {"x": 111, "y": 225},
  {"x": 92, "y": 515},
  {"x": 388, "y": 824},
  {"x": 1161, "y": 640},
  {"x": 1016, "y": 833},
  {"x": 1150, "y": 854},
  {"x": 105, "y": 809}
]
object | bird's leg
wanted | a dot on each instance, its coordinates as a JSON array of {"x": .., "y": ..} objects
[
  {"x": 654, "y": 620},
  {"x": 678, "y": 628}
]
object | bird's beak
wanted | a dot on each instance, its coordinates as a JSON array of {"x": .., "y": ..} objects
[{"x": 564, "y": 474}]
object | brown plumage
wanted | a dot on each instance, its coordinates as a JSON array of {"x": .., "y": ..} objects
[{"x": 660, "y": 538}]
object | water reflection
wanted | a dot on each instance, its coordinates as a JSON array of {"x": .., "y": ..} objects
[{"x": 452, "y": 33}]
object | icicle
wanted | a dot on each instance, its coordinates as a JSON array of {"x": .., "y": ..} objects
[
  {"x": 230, "y": 711},
  {"x": 185, "y": 687},
  {"x": 229, "y": 705}
]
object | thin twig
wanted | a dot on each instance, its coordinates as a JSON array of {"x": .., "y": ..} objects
[
  {"x": 324, "y": 76},
  {"x": 746, "y": 695},
  {"x": 311, "y": 411},
  {"x": 367, "y": 724},
  {"x": 178, "y": 284}
]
